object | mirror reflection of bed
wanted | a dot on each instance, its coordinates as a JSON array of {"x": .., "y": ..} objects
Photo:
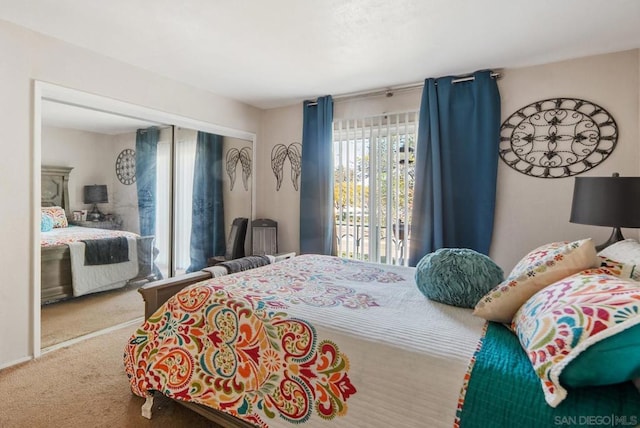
[
  {"x": 82, "y": 148},
  {"x": 81, "y": 294}
]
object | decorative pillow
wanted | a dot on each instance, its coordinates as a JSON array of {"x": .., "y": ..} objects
[
  {"x": 593, "y": 366},
  {"x": 58, "y": 216},
  {"x": 46, "y": 223},
  {"x": 457, "y": 276},
  {"x": 581, "y": 325},
  {"x": 626, "y": 251},
  {"x": 541, "y": 267},
  {"x": 618, "y": 269}
]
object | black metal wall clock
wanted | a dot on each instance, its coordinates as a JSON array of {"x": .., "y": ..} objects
[
  {"x": 126, "y": 166},
  {"x": 558, "y": 137}
]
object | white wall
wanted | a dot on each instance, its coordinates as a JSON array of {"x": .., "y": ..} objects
[
  {"x": 533, "y": 211},
  {"x": 85, "y": 152},
  {"x": 529, "y": 211},
  {"x": 279, "y": 126},
  {"x": 27, "y": 56}
]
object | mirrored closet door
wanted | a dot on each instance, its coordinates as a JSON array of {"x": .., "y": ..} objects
[
  {"x": 213, "y": 188},
  {"x": 182, "y": 187}
]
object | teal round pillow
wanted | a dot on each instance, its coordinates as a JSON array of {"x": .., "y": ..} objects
[{"x": 457, "y": 276}]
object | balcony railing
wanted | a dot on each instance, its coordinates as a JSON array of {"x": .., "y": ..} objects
[{"x": 362, "y": 242}]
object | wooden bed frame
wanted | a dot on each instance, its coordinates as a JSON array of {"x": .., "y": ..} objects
[
  {"x": 154, "y": 295},
  {"x": 157, "y": 292},
  {"x": 55, "y": 262}
]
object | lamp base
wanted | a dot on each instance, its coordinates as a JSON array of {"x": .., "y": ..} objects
[
  {"x": 616, "y": 235},
  {"x": 95, "y": 214}
]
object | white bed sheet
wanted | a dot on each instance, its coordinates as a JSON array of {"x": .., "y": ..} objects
[
  {"x": 408, "y": 356},
  {"x": 96, "y": 278},
  {"x": 65, "y": 235}
]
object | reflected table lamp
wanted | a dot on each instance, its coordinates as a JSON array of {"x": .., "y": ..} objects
[
  {"x": 95, "y": 194},
  {"x": 607, "y": 201}
]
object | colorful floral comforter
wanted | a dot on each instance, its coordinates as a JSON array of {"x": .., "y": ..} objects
[
  {"x": 66, "y": 235},
  {"x": 309, "y": 340}
]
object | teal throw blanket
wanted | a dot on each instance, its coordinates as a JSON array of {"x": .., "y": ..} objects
[{"x": 504, "y": 391}]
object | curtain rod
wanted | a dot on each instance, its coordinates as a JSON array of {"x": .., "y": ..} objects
[{"x": 389, "y": 91}]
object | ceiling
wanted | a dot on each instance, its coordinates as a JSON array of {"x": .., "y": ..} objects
[{"x": 276, "y": 53}]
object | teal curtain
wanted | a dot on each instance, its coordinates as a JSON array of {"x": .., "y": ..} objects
[
  {"x": 207, "y": 221},
  {"x": 146, "y": 167},
  {"x": 146, "y": 176},
  {"x": 316, "y": 179},
  {"x": 456, "y": 165}
]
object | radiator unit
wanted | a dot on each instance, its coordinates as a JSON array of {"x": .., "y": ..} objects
[{"x": 264, "y": 234}]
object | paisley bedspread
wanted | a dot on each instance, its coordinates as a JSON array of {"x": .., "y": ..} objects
[
  {"x": 65, "y": 235},
  {"x": 313, "y": 340}
]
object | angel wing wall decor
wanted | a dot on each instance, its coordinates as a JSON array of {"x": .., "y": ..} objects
[
  {"x": 294, "y": 152},
  {"x": 232, "y": 158},
  {"x": 245, "y": 161},
  {"x": 279, "y": 155}
]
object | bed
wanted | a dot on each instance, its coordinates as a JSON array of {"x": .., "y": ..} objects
[
  {"x": 324, "y": 341},
  {"x": 57, "y": 246}
]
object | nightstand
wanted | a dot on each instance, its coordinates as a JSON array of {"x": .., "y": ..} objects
[
  {"x": 284, "y": 256},
  {"x": 97, "y": 224}
]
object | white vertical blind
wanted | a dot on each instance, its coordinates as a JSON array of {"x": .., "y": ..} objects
[{"x": 374, "y": 176}]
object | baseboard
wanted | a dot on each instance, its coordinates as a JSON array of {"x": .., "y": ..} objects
[{"x": 16, "y": 362}]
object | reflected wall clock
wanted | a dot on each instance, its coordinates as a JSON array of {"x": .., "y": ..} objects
[
  {"x": 126, "y": 166},
  {"x": 558, "y": 137}
]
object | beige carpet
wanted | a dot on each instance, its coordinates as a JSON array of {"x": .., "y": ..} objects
[
  {"x": 76, "y": 317},
  {"x": 83, "y": 385}
]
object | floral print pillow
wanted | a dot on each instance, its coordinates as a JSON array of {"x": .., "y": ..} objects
[
  {"x": 564, "y": 319},
  {"x": 541, "y": 267},
  {"x": 57, "y": 214},
  {"x": 626, "y": 251},
  {"x": 621, "y": 270}
]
